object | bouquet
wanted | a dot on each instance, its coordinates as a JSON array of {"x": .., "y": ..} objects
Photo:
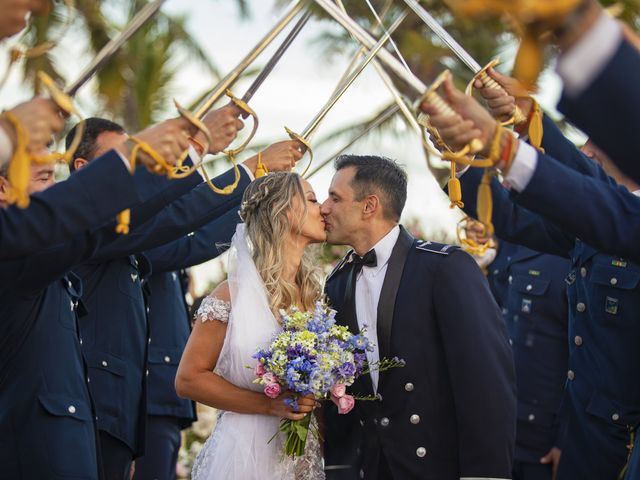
[{"x": 314, "y": 356}]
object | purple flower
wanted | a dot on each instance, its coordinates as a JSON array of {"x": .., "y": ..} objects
[{"x": 347, "y": 369}]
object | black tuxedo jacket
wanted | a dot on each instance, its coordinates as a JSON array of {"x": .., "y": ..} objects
[{"x": 450, "y": 413}]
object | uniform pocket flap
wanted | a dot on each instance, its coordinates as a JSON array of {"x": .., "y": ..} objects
[
  {"x": 615, "y": 277},
  {"x": 611, "y": 411},
  {"x": 530, "y": 286},
  {"x": 535, "y": 415},
  {"x": 167, "y": 356},
  {"x": 106, "y": 361},
  {"x": 65, "y": 406}
]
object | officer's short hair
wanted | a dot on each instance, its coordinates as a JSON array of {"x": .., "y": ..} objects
[
  {"x": 379, "y": 175},
  {"x": 93, "y": 127}
]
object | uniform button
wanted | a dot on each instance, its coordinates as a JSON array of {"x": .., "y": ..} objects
[
  {"x": 615, "y": 417},
  {"x": 421, "y": 452},
  {"x": 167, "y": 359},
  {"x": 529, "y": 287},
  {"x": 80, "y": 341},
  {"x": 578, "y": 340},
  {"x": 581, "y": 307},
  {"x": 384, "y": 422},
  {"x": 583, "y": 272},
  {"x": 147, "y": 309},
  {"x": 571, "y": 375},
  {"x": 71, "y": 409},
  {"x": 147, "y": 373},
  {"x": 496, "y": 271},
  {"x": 104, "y": 363},
  {"x": 613, "y": 281},
  {"x": 531, "y": 417},
  {"x": 408, "y": 387},
  {"x": 88, "y": 379},
  {"x": 149, "y": 340},
  {"x": 415, "y": 419},
  {"x": 510, "y": 279}
]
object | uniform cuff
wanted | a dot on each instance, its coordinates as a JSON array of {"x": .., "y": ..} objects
[
  {"x": 523, "y": 166},
  {"x": 249, "y": 172}
]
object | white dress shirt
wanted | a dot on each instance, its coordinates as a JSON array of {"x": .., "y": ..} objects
[{"x": 368, "y": 288}]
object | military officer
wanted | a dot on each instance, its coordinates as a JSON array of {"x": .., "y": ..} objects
[{"x": 450, "y": 412}]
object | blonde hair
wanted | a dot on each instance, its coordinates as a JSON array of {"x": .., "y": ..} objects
[{"x": 265, "y": 206}]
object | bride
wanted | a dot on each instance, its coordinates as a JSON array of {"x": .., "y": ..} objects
[{"x": 270, "y": 268}]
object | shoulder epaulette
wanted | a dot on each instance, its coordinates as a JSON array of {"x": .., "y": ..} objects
[
  {"x": 439, "y": 248},
  {"x": 339, "y": 265}
]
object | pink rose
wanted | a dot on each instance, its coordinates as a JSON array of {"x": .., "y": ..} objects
[
  {"x": 345, "y": 403},
  {"x": 268, "y": 378},
  {"x": 260, "y": 370},
  {"x": 338, "y": 390},
  {"x": 272, "y": 390}
]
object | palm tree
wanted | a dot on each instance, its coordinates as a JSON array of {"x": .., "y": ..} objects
[{"x": 135, "y": 86}]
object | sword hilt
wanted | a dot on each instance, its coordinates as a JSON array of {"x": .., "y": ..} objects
[
  {"x": 247, "y": 111},
  {"x": 432, "y": 97},
  {"x": 304, "y": 143},
  {"x": 488, "y": 82},
  {"x": 180, "y": 170}
]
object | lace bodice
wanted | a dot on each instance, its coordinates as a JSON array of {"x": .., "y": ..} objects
[{"x": 212, "y": 308}]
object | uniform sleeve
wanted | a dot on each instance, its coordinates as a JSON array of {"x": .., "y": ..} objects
[
  {"x": 603, "y": 215},
  {"x": 513, "y": 222},
  {"x": 86, "y": 200},
  {"x": 607, "y": 111},
  {"x": 186, "y": 214},
  {"x": 480, "y": 366},
  {"x": 204, "y": 244}
]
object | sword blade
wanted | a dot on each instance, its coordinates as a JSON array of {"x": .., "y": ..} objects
[
  {"x": 352, "y": 77},
  {"x": 276, "y": 56},
  {"x": 368, "y": 41},
  {"x": 445, "y": 36},
  {"x": 114, "y": 45},
  {"x": 232, "y": 76}
]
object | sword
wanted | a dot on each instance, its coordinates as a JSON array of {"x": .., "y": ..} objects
[
  {"x": 374, "y": 50},
  {"x": 63, "y": 98},
  {"x": 480, "y": 73}
]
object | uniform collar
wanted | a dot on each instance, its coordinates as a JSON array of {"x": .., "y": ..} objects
[
  {"x": 636, "y": 193},
  {"x": 384, "y": 248}
]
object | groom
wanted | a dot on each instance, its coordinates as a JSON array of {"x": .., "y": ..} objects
[{"x": 450, "y": 413}]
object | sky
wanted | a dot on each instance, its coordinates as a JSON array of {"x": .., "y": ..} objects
[{"x": 295, "y": 91}]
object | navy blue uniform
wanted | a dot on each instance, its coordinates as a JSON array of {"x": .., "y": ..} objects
[
  {"x": 67, "y": 208},
  {"x": 529, "y": 287},
  {"x": 450, "y": 413},
  {"x": 602, "y": 396},
  {"x": 170, "y": 327}
]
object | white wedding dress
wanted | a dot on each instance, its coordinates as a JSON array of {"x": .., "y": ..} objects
[{"x": 239, "y": 447}]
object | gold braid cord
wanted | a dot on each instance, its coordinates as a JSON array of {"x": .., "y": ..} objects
[
  {"x": 261, "y": 168},
  {"x": 242, "y": 105},
  {"x": 19, "y": 168},
  {"x": 533, "y": 17}
]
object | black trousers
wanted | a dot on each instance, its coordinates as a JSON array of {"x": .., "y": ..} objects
[
  {"x": 116, "y": 458},
  {"x": 161, "y": 449}
]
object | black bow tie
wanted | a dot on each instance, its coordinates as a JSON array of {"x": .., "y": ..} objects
[{"x": 368, "y": 260}]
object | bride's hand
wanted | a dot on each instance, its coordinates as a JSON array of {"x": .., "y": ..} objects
[{"x": 280, "y": 408}]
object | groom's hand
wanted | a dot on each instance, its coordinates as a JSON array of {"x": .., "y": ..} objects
[{"x": 279, "y": 407}]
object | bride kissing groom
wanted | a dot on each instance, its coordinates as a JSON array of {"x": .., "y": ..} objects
[{"x": 449, "y": 414}]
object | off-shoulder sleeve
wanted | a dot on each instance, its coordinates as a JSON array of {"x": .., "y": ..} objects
[{"x": 212, "y": 308}]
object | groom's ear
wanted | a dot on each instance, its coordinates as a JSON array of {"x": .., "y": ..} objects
[{"x": 371, "y": 205}]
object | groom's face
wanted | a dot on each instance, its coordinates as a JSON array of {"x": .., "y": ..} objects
[{"x": 341, "y": 211}]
